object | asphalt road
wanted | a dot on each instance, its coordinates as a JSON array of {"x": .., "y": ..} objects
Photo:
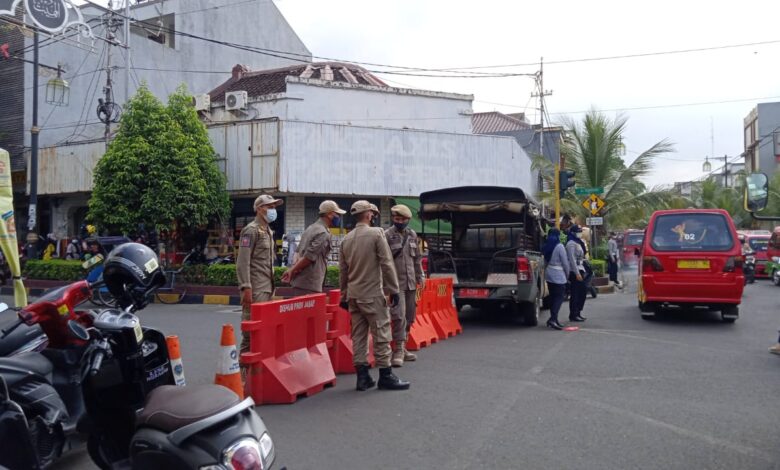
[{"x": 683, "y": 391}]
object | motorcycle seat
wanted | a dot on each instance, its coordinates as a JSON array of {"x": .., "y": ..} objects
[
  {"x": 34, "y": 362},
  {"x": 170, "y": 407}
]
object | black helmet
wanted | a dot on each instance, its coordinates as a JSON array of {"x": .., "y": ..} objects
[{"x": 130, "y": 272}]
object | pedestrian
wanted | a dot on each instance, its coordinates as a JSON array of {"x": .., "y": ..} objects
[
  {"x": 575, "y": 250},
  {"x": 367, "y": 276},
  {"x": 51, "y": 247},
  {"x": 375, "y": 220},
  {"x": 613, "y": 254},
  {"x": 776, "y": 348},
  {"x": 555, "y": 273},
  {"x": 307, "y": 275},
  {"x": 255, "y": 264},
  {"x": 74, "y": 249},
  {"x": 407, "y": 256}
]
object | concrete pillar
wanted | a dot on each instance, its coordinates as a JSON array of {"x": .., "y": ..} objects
[
  {"x": 386, "y": 217},
  {"x": 294, "y": 215}
]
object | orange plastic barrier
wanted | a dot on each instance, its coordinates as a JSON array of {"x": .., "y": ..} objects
[
  {"x": 422, "y": 333},
  {"x": 288, "y": 355},
  {"x": 445, "y": 315},
  {"x": 339, "y": 336}
]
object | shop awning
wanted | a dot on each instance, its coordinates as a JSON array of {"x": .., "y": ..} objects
[{"x": 431, "y": 226}]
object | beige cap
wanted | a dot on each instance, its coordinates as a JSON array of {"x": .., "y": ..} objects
[
  {"x": 374, "y": 209},
  {"x": 330, "y": 206},
  {"x": 265, "y": 199},
  {"x": 401, "y": 210},
  {"x": 360, "y": 206}
]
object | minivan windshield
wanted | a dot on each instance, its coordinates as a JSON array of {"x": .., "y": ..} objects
[
  {"x": 691, "y": 232},
  {"x": 635, "y": 239},
  {"x": 758, "y": 244}
]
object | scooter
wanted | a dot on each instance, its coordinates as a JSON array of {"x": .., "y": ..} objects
[
  {"x": 23, "y": 339},
  {"x": 125, "y": 403},
  {"x": 749, "y": 268}
]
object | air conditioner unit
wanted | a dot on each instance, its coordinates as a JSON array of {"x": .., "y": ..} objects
[
  {"x": 202, "y": 102},
  {"x": 236, "y": 100}
]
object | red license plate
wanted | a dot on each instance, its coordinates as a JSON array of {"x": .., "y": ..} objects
[{"x": 474, "y": 293}]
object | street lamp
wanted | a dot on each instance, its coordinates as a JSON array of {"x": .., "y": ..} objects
[
  {"x": 707, "y": 166},
  {"x": 58, "y": 90}
]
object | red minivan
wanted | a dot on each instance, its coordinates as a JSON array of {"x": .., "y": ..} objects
[
  {"x": 632, "y": 240},
  {"x": 691, "y": 258}
]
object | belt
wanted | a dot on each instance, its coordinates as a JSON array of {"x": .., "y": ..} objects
[{"x": 556, "y": 267}]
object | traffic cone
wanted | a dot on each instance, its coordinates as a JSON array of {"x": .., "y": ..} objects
[
  {"x": 228, "y": 370},
  {"x": 174, "y": 353}
]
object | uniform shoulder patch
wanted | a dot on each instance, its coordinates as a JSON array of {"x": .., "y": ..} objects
[{"x": 246, "y": 241}]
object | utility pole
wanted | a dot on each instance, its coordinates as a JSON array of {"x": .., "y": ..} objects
[
  {"x": 725, "y": 171},
  {"x": 541, "y": 94},
  {"x": 108, "y": 111},
  {"x": 127, "y": 50},
  {"x": 34, "y": 131}
]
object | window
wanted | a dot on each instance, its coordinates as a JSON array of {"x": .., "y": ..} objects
[
  {"x": 635, "y": 239},
  {"x": 758, "y": 244},
  {"x": 159, "y": 29},
  {"x": 692, "y": 232}
]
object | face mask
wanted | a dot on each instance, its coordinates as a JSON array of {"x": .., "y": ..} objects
[
  {"x": 400, "y": 226},
  {"x": 270, "y": 216},
  {"x": 375, "y": 221},
  {"x": 335, "y": 221}
]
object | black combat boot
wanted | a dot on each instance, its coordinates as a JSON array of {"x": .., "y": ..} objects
[
  {"x": 364, "y": 380},
  {"x": 388, "y": 380}
]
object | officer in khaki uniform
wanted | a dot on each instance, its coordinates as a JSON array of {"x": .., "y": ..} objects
[
  {"x": 407, "y": 256},
  {"x": 367, "y": 275},
  {"x": 256, "y": 255},
  {"x": 307, "y": 275}
]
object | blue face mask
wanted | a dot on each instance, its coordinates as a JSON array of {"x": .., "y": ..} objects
[
  {"x": 335, "y": 221},
  {"x": 400, "y": 226},
  {"x": 270, "y": 216}
]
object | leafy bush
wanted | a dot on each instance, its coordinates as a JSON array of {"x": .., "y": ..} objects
[
  {"x": 225, "y": 275},
  {"x": 56, "y": 269},
  {"x": 193, "y": 274},
  {"x": 599, "y": 267},
  {"x": 599, "y": 252}
]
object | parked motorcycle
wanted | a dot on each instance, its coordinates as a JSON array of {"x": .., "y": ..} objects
[
  {"x": 22, "y": 339},
  {"x": 107, "y": 378}
]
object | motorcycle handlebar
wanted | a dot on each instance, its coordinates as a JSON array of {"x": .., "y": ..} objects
[{"x": 97, "y": 361}]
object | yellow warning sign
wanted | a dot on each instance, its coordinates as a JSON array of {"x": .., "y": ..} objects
[{"x": 593, "y": 203}]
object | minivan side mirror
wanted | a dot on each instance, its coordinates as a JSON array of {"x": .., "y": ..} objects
[{"x": 756, "y": 192}]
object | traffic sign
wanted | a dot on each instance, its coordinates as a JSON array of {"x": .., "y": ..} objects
[
  {"x": 593, "y": 203},
  {"x": 597, "y": 190},
  {"x": 594, "y": 221}
]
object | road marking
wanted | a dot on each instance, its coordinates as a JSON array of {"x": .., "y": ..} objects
[
  {"x": 689, "y": 433},
  {"x": 229, "y": 310},
  {"x": 666, "y": 341}
]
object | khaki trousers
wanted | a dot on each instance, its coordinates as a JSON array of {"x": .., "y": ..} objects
[
  {"x": 245, "y": 316},
  {"x": 403, "y": 314},
  {"x": 370, "y": 315}
]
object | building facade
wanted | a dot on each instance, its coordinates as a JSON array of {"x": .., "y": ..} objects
[{"x": 762, "y": 138}]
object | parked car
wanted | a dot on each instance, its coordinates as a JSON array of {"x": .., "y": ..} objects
[
  {"x": 691, "y": 258},
  {"x": 632, "y": 240},
  {"x": 773, "y": 256},
  {"x": 492, "y": 253}
]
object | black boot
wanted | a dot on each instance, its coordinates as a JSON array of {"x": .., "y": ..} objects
[
  {"x": 388, "y": 380},
  {"x": 364, "y": 379}
]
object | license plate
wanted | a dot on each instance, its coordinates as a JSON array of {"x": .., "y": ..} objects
[
  {"x": 693, "y": 264},
  {"x": 474, "y": 293}
]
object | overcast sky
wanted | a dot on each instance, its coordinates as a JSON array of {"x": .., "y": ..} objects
[{"x": 441, "y": 34}]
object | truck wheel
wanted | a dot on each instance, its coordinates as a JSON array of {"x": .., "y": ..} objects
[
  {"x": 530, "y": 312},
  {"x": 729, "y": 313}
]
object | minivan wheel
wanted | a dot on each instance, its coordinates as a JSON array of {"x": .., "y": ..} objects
[
  {"x": 729, "y": 313},
  {"x": 776, "y": 277}
]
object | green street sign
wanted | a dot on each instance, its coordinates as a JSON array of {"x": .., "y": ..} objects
[{"x": 588, "y": 190}]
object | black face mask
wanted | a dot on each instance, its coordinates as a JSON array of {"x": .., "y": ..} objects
[
  {"x": 375, "y": 221},
  {"x": 400, "y": 226}
]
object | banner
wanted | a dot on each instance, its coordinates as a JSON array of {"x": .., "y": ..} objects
[{"x": 8, "y": 241}]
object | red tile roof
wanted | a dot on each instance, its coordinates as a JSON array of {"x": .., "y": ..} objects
[
  {"x": 485, "y": 123},
  {"x": 266, "y": 82}
]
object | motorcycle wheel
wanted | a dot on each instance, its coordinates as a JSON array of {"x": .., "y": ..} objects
[{"x": 98, "y": 453}]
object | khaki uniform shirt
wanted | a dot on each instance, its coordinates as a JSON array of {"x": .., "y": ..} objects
[
  {"x": 256, "y": 256},
  {"x": 314, "y": 246},
  {"x": 366, "y": 265},
  {"x": 407, "y": 257}
]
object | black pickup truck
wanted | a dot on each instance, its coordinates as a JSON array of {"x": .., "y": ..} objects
[{"x": 492, "y": 252}]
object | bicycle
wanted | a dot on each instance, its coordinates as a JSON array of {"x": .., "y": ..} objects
[{"x": 169, "y": 293}]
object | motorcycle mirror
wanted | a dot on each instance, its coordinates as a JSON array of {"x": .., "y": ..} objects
[
  {"x": 3, "y": 307},
  {"x": 78, "y": 330}
]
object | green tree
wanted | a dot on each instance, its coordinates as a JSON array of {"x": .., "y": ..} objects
[
  {"x": 593, "y": 150},
  {"x": 159, "y": 170}
]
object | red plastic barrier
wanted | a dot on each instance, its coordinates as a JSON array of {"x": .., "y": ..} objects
[
  {"x": 340, "y": 337},
  {"x": 422, "y": 333},
  {"x": 288, "y": 355},
  {"x": 445, "y": 305},
  {"x": 437, "y": 312}
]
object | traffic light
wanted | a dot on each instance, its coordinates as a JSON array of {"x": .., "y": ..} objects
[{"x": 565, "y": 181}]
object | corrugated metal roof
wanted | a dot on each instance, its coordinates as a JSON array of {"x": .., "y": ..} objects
[
  {"x": 266, "y": 82},
  {"x": 487, "y": 123}
]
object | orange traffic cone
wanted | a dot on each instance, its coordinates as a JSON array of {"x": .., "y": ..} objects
[
  {"x": 228, "y": 370},
  {"x": 174, "y": 353}
]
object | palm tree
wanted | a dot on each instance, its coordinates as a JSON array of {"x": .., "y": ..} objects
[{"x": 593, "y": 150}]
